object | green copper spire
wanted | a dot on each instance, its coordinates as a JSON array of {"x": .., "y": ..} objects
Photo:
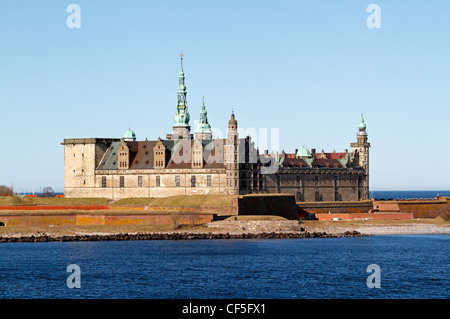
[
  {"x": 203, "y": 125},
  {"x": 181, "y": 116},
  {"x": 362, "y": 126}
]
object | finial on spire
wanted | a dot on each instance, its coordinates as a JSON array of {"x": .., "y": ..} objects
[{"x": 181, "y": 55}]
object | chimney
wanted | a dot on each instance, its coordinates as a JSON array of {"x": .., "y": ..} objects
[{"x": 313, "y": 151}]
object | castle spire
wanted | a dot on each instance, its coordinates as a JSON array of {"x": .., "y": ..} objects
[
  {"x": 232, "y": 157},
  {"x": 203, "y": 129},
  {"x": 360, "y": 151},
  {"x": 181, "y": 127},
  {"x": 362, "y": 126}
]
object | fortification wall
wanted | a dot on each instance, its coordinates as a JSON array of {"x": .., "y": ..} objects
[
  {"x": 277, "y": 204},
  {"x": 356, "y": 207},
  {"x": 26, "y": 220},
  {"x": 374, "y": 216},
  {"x": 37, "y": 220},
  {"x": 423, "y": 209}
]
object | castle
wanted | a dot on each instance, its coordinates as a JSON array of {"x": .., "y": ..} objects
[{"x": 186, "y": 164}]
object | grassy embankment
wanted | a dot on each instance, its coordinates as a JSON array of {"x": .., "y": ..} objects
[
  {"x": 50, "y": 201},
  {"x": 123, "y": 206},
  {"x": 215, "y": 201}
]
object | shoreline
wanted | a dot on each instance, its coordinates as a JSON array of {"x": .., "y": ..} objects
[
  {"x": 243, "y": 228},
  {"x": 416, "y": 227},
  {"x": 172, "y": 236}
]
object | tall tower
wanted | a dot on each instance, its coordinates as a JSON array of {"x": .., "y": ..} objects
[
  {"x": 181, "y": 129},
  {"x": 203, "y": 129},
  {"x": 362, "y": 146},
  {"x": 232, "y": 158}
]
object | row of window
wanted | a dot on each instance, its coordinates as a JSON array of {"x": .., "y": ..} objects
[
  {"x": 158, "y": 181},
  {"x": 123, "y": 164},
  {"x": 194, "y": 181}
]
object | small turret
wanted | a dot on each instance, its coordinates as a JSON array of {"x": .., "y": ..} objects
[
  {"x": 362, "y": 126},
  {"x": 303, "y": 152},
  {"x": 129, "y": 136},
  {"x": 203, "y": 129}
]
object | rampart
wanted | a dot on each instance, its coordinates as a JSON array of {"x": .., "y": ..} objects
[
  {"x": 374, "y": 216},
  {"x": 423, "y": 209},
  {"x": 278, "y": 204},
  {"x": 356, "y": 207},
  {"x": 21, "y": 219}
]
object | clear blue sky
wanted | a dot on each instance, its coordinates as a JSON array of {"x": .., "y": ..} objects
[{"x": 308, "y": 68}]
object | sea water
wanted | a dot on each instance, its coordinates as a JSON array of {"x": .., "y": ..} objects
[{"x": 410, "y": 266}]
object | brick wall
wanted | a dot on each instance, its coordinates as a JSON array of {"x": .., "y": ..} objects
[
  {"x": 100, "y": 219},
  {"x": 423, "y": 209},
  {"x": 356, "y": 207},
  {"x": 374, "y": 216}
]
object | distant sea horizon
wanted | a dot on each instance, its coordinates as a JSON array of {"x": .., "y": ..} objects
[
  {"x": 379, "y": 195},
  {"x": 428, "y": 194}
]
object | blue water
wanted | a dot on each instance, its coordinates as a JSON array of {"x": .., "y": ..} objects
[
  {"x": 408, "y": 194},
  {"x": 412, "y": 266}
]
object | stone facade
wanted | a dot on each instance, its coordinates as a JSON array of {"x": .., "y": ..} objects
[{"x": 188, "y": 164}]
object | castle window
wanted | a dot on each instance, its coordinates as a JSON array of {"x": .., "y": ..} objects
[
  {"x": 104, "y": 181},
  {"x": 317, "y": 197},
  {"x": 208, "y": 180},
  {"x": 139, "y": 181},
  {"x": 122, "y": 181},
  {"x": 158, "y": 181},
  {"x": 337, "y": 196},
  {"x": 193, "y": 181},
  {"x": 177, "y": 181}
]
